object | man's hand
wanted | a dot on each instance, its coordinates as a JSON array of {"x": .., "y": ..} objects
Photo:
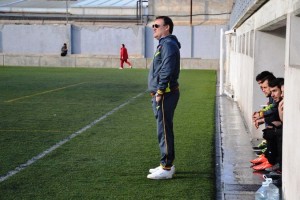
[
  {"x": 280, "y": 109},
  {"x": 280, "y": 105},
  {"x": 258, "y": 122},
  {"x": 255, "y": 116}
]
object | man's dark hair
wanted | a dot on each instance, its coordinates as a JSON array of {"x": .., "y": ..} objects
[
  {"x": 262, "y": 75},
  {"x": 269, "y": 78},
  {"x": 167, "y": 21},
  {"x": 278, "y": 82},
  {"x": 281, "y": 83}
]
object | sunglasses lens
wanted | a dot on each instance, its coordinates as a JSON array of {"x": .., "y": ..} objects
[{"x": 155, "y": 26}]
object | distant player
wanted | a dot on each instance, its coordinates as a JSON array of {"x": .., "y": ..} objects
[{"x": 124, "y": 56}]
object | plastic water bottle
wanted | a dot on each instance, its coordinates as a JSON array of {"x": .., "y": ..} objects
[
  {"x": 273, "y": 191},
  {"x": 262, "y": 192},
  {"x": 267, "y": 191}
]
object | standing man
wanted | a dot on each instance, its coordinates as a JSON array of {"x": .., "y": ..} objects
[
  {"x": 164, "y": 88},
  {"x": 124, "y": 56}
]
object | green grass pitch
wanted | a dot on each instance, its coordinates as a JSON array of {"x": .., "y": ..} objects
[{"x": 41, "y": 106}]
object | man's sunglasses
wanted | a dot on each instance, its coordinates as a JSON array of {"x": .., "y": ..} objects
[{"x": 156, "y": 26}]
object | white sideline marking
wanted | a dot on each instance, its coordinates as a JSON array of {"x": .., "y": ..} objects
[{"x": 67, "y": 139}]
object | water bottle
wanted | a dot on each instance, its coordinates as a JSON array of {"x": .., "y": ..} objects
[
  {"x": 267, "y": 191},
  {"x": 262, "y": 192},
  {"x": 273, "y": 191}
]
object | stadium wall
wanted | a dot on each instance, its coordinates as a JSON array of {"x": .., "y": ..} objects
[
  {"x": 99, "y": 45},
  {"x": 94, "y": 61}
]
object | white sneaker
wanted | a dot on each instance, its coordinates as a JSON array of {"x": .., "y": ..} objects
[
  {"x": 151, "y": 171},
  {"x": 161, "y": 174}
]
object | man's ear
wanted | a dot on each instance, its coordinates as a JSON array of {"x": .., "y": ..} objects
[{"x": 167, "y": 27}]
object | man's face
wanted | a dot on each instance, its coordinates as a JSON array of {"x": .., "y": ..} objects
[
  {"x": 259, "y": 83},
  {"x": 160, "y": 30},
  {"x": 276, "y": 93},
  {"x": 265, "y": 88}
]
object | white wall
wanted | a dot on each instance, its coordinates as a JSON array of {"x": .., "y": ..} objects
[
  {"x": 255, "y": 50},
  {"x": 241, "y": 71},
  {"x": 34, "y": 38},
  {"x": 183, "y": 34},
  {"x": 197, "y": 41},
  {"x": 207, "y": 41},
  {"x": 269, "y": 55},
  {"x": 106, "y": 40},
  {"x": 291, "y": 136},
  {"x": 276, "y": 47}
]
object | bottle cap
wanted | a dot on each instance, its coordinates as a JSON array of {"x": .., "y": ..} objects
[
  {"x": 268, "y": 180},
  {"x": 265, "y": 183}
]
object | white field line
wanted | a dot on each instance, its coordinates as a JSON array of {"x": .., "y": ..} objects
[
  {"x": 67, "y": 139},
  {"x": 45, "y": 92}
]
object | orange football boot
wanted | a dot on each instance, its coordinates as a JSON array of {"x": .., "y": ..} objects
[
  {"x": 260, "y": 159},
  {"x": 262, "y": 166}
]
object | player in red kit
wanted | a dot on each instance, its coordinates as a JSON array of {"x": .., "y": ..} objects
[{"x": 124, "y": 56}]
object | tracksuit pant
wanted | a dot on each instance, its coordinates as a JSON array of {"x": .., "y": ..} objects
[
  {"x": 274, "y": 145},
  {"x": 164, "y": 113},
  {"x": 122, "y": 63}
]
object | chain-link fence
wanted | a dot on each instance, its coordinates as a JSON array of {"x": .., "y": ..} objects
[{"x": 239, "y": 9}]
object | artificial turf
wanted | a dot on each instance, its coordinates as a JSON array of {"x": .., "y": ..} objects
[{"x": 41, "y": 106}]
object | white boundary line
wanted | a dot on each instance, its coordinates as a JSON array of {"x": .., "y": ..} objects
[
  {"x": 45, "y": 92},
  {"x": 67, "y": 139}
]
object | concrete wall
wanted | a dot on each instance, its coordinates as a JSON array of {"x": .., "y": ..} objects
[
  {"x": 276, "y": 46},
  {"x": 196, "y": 41},
  {"x": 256, "y": 49},
  {"x": 268, "y": 60},
  {"x": 291, "y": 138},
  {"x": 206, "y": 43},
  {"x": 94, "y": 61},
  {"x": 22, "y": 38},
  {"x": 199, "y": 42},
  {"x": 203, "y": 11},
  {"x": 242, "y": 71},
  {"x": 95, "y": 40},
  {"x": 150, "y": 43},
  {"x": 106, "y": 40}
]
